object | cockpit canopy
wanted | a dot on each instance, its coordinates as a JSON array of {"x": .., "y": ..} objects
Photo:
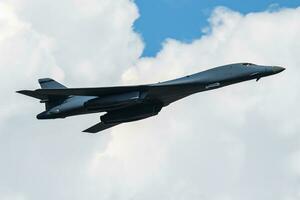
[{"x": 247, "y": 64}]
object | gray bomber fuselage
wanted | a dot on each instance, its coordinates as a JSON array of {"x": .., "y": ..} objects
[
  {"x": 130, "y": 103},
  {"x": 170, "y": 91},
  {"x": 214, "y": 78}
]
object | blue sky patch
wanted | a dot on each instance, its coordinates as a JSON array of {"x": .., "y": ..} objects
[{"x": 184, "y": 19}]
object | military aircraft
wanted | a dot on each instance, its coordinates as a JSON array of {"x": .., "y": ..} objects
[{"x": 130, "y": 103}]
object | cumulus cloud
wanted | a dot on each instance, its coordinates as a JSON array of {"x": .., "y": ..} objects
[
  {"x": 97, "y": 33},
  {"x": 240, "y": 142}
]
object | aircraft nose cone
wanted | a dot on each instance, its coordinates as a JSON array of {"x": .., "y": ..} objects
[{"x": 277, "y": 69}]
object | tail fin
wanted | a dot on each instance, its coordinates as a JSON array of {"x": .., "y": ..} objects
[
  {"x": 48, "y": 83},
  {"x": 49, "y": 100}
]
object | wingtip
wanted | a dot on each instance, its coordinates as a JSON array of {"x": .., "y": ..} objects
[
  {"x": 89, "y": 130},
  {"x": 99, "y": 127},
  {"x": 86, "y": 131},
  {"x": 21, "y": 91}
]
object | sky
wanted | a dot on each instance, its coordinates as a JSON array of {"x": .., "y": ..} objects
[
  {"x": 184, "y": 19},
  {"x": 240, "y": 142}
]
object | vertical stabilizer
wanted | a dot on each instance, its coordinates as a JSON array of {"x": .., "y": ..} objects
[
  {"x": 51, "y": 101},
  {"x": 48, "y": 83}
]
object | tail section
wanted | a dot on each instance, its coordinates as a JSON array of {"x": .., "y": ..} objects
[
  {"x": 49, "y": 100},
  {"x": 48, "y": 83}
]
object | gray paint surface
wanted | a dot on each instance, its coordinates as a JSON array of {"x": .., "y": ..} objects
[{"x": 130, "y": 103}]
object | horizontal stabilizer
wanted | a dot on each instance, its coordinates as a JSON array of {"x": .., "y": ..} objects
[
  {"x": 33, "y": 94},
  {"x": 99, "y": 127},
  {"x": 49, "y": 100}
]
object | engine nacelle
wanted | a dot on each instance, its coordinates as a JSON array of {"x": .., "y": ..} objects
[
  {"x": 113, "y": 102},
  {"x": 132, "y": 113}
]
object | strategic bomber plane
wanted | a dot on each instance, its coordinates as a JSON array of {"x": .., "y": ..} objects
[{"x": 130, "y": 103}]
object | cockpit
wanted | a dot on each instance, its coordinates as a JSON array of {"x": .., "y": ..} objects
[{"x": 247, "y": 64}]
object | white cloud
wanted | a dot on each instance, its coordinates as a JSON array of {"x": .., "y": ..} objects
[
  {"x": 99, "y": 32},
  {"x": 239, "y": 142}
]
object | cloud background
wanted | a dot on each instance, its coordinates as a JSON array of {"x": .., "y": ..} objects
[{"x": 240, "y": 142}]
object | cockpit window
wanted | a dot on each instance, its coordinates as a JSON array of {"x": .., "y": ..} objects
[{"x": 247, "y": 64}]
